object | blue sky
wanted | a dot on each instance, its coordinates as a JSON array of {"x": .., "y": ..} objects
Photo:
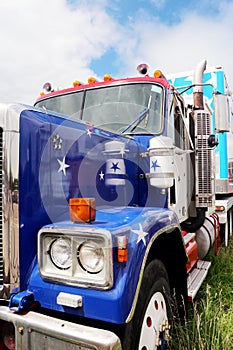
[
  {"x": 64, "y": 40},
  {"x": 168, "y": 13}
]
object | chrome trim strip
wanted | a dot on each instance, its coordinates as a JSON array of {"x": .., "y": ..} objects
[{"x": 9, "y": 174}]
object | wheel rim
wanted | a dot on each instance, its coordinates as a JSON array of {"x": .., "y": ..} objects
[{"x": 155, "y": 326}]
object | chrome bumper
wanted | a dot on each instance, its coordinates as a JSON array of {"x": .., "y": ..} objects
[{"x": 35, "y": 331}]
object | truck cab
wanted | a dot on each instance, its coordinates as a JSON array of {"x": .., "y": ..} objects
[{"x": 112, "y": 194}]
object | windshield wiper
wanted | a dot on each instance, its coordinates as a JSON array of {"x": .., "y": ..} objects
[{"x": 137, "y": 121}]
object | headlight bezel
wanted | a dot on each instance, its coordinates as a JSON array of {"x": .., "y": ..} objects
[{"x": 75, "y": 275}]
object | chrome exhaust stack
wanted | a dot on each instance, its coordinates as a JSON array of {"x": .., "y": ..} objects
[{"x": 198, "y": 100}]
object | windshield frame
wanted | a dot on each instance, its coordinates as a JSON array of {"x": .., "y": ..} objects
[{"x": 86, "y": 90}]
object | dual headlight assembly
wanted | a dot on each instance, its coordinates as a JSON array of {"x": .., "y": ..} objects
[{"x": 76, "y": 257}]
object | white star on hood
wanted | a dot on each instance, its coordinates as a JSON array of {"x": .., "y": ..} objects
[
  {"x": 63, "y": 166},
  {"x": 89, "y": 132},
  {"x": 141, "y": 234},
  {"x": 101, "y": 175}
]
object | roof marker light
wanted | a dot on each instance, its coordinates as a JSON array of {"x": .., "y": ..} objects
[
  {"x": 107, "y": 77},
  {"x": 47, "y": 87},
  {"x": 91, "y": 80},
  {"x": 158, "y": 74},
  {"x": 76, "y": 83}
]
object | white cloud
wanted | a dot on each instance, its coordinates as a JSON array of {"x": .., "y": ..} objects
[
  {"x": 181, "y": 46},
  {"x": 49, "y": 40}
]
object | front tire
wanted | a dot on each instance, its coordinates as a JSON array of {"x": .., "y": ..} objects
[{"x": 150, "y": 327}]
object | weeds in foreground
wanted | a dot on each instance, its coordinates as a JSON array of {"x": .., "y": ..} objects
[
  {"x": 209, "y": 326},
  {"x": 210, "y": 321}
]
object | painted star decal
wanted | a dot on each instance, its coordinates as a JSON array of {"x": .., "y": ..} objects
[
  {"x": 89, "y": 132},
  {"x": 155, "y": 165},
  {"x": 141, "y": 234},
  {"x": 101, "y": 175},
  {"x": 63, "y": 165},
  {"x": 115, "y": 167}
]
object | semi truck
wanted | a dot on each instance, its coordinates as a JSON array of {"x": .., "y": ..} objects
[{"x": 109, "y": 206}]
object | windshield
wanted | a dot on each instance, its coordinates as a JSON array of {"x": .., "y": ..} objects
[{"x": 114, "y": 108}]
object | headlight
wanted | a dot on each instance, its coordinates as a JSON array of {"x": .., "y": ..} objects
[
  {"x": 61, "y": 253},
  {"x": 91, "y": 257},
  {"x": 75, "y": 255}
]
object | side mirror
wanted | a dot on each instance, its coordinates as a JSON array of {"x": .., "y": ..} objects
[{"x": 221, "y": 112}]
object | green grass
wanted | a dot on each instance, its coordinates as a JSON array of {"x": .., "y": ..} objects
[{"x": 210, "y": 316}]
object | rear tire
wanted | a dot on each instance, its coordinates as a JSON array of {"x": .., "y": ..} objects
[{"x": 151, "y": 324}]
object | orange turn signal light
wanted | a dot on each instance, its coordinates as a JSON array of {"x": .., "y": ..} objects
[
  {"x": 122, "y": 249},
  {"x": 122, "y": 255},
  {"x": 82, "y": 209}
]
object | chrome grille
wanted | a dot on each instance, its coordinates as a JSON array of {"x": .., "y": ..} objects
[{"x": 204, "y": 161}]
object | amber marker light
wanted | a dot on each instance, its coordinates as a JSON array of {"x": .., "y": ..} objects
[
  {"x": 82, "y": 209},
  {"x": 219, "y": 208},
  {"x": 107, "y": 77},
  {"x": 158, "y": 74},
  {"x": 91, "y": 80},
  {"x": 76, "y": 83},
  {"x": 122, "y": 249}
]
